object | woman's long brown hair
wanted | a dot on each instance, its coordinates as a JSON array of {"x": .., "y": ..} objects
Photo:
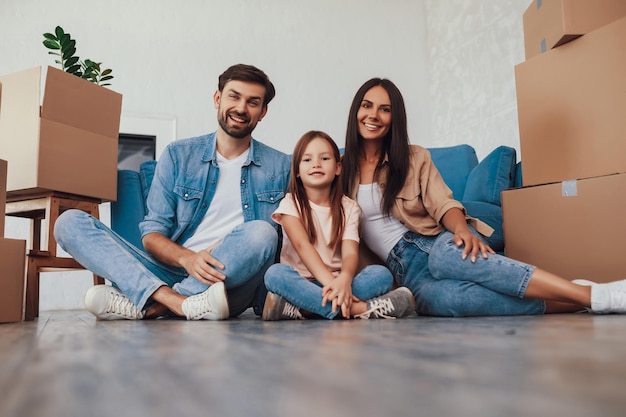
[{"x": 395, "y": 145}]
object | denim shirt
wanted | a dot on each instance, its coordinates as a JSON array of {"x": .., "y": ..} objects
[{"x": 186, "y": 178}]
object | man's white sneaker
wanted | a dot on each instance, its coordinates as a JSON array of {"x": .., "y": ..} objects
[
  {"x": 209, "y": 305},
  {"x": 108, "y": 303}
]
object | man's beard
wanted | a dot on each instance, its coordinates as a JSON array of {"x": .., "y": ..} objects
[{"x": 234, "y": 132}]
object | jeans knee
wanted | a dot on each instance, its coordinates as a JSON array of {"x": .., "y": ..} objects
[
  {"x": 383, "y": 274},
  {"x": 65, "y": 224},
  {"x": 260, "y": 234},
  {"x": 275, "y": 277},
  {"x": 443, "y": 257}
]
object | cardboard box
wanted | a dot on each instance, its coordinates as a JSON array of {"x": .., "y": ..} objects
[
  {"x": 12, "y": 273},
  {"x": 62, "y": 140},
  {"x": 573, "y": 229},
  {"x": 550, "y": 23},
  {"x": 570, "y": 104}
]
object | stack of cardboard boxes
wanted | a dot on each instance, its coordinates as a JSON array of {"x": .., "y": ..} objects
[
  {"x": 12, "y": 264},
  {"x": 59, "y": 133},
  {"x": 570, "y": 215}
]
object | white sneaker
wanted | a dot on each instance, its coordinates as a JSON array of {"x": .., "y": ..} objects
[
  {"x": 209, "y": 305},
  {"x": 607, "y": 297},
  {"x": 108, "y": 303}
]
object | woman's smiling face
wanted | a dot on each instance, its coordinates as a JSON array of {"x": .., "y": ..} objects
[{"x": 374, "y": 115}]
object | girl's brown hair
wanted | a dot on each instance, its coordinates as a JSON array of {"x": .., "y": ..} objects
[{"x": 296, "y": 188}]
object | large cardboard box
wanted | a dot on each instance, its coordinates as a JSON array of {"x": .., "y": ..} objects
[
  {"x": 573, "y": 229},
  {"x": 62, "y": 139},
  {"x": 550, "y": 23},
  {"x": 12, "y": 264},
  {"x": 12, "y": 273},
  {"x": 570, "y": 104}
]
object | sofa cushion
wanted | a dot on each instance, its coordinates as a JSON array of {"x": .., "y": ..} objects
[
  {"x": 129, "y": 208},
  {"x": 491, "y": 176},
  {"x": 146, "y": 173},
  {"x": 455, "y": 164}
]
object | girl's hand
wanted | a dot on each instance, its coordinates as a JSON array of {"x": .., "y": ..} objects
[
  {"x": 472, "y": 245},
  {"x": 339, "y": 293}
]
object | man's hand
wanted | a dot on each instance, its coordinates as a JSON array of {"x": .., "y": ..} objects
[{"x": 203, "y": 266}]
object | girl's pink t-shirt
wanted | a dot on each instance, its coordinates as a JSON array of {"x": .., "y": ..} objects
[{"x": 323, "y": 224}]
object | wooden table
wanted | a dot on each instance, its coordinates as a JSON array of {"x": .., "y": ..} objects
[{"x": 42, "y": 255}]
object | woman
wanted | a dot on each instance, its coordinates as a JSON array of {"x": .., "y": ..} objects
[{"x": 411, "y": 221}]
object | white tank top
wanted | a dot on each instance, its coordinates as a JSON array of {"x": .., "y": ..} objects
[{"x": 379, "y": 232}]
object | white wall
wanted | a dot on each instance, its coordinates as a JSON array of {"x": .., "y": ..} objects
[
  {"x": 452, "y": 59},
  {"x": 166, "y": 56},
  {"x": 473, "y": 46}
]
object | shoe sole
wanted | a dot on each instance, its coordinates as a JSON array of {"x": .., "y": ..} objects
[
  {"x": 269, "y": 309},
  {"x": 221, "y": 300}
]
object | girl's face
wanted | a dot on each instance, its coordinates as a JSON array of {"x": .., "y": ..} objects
[
  {"x": 318, "y": 167},
  {"x": 374, "y": 115}
]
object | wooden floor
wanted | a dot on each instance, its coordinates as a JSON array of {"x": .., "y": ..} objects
[{"x": 67, "y": 364}]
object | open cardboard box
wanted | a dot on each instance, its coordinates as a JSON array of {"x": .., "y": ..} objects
[
  {"x": 59, "y": 133},
  {"x": 550, "y": 23}
]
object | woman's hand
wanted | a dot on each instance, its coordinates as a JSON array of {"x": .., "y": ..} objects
[
  {"x": 339, "y": 293},
  {"x": 472, "y": 245}
]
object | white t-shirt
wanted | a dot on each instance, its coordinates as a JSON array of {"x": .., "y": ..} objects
[
  {"x": 225, "y": 212},
  {"x": 323, "y": 227},
  {"x": 380, "y": 232}
]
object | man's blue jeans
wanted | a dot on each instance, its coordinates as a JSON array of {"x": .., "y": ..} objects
[
  {"x": 246, "y": 252},
  {"x": 446, "y": 285},
  {"x": 284, "y": 280}
]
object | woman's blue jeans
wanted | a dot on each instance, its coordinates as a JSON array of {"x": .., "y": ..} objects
[
  {"x": 446, "y": 285},
  {"x": 284, "y": 280},
  {"x": 246, "y": 252}
]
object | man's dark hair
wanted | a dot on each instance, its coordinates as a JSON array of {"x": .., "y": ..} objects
[{"x": 248, "y": 73}]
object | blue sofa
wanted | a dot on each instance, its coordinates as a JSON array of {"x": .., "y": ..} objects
[{"x": 476, "y": 185}]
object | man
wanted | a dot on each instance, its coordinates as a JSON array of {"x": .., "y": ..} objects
[{"x": 208, "y": 233}]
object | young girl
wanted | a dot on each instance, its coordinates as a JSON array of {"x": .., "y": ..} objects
[
  {"x": 411, "y": 221},
  {"x": 320, "y": 247}
]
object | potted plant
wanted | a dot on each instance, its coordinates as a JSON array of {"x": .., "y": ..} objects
[{"x": 62, "y": 45}]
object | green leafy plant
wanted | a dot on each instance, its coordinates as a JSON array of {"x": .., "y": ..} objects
[{"x": 62, "y": 45}]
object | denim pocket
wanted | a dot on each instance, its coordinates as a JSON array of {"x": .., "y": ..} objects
[
  {"x": 267, "y": 203},
  {"x": 424, "y": 243},
  {"x": 188, "y": 199},
  {"x": 271, "y": 197}
]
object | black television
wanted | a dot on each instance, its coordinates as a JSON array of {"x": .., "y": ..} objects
[{"x": 134, "y": 149}]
